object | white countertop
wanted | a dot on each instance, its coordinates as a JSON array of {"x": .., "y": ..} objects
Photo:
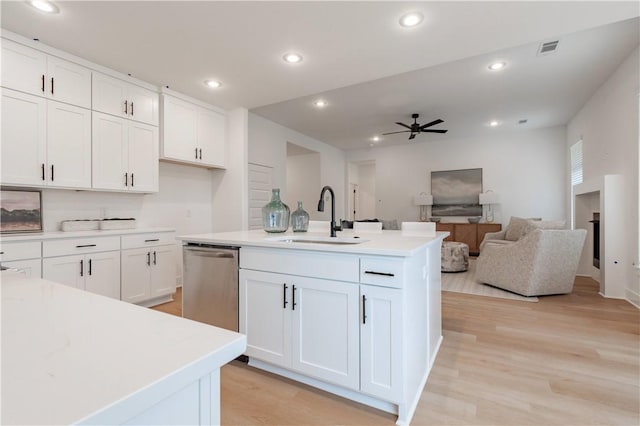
[
  {"x": 385, "y": 243},
  {"x": 70, "y": 355},
  {"x": 78, "y": 234}
]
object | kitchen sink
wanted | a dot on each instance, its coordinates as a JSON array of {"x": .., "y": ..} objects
[{"x": 317, "y": 239}]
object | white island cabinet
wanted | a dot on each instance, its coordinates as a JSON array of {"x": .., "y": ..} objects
[
  {"x": 73, "y": 357},
  {"x": 362, "y": 321}
]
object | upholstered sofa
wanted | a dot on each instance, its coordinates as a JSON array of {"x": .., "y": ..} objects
[{"x": 540, "y": 262}]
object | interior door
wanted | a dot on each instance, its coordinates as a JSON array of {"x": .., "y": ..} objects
[{"x": 260, "y": 184}]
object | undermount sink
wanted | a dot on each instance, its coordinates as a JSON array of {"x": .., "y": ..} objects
[{"x": 317, "y": 239}]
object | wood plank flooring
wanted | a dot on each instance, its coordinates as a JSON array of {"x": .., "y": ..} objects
[{"x": 566, "y": 360}]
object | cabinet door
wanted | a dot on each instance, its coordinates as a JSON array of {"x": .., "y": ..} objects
[
  {"x": 68, "y": 145},
  {"x": 179, "y": 131},
  {"x": 110, "y": 152},
  {"x": 24, "y": 138},
  {"x": 109, "y": 95},
  {"x": 23, "y": 68},
  {"x": 32, "y": 267},
  {"x": 163, "y": 270},
  {"x": 466, "y": 233},
  {"x": 67, "y": 270},
  {"x": 211, "y": 137},
  {"x": 325, "y": 335},
  {"x": 381, "y": 342},
  {"x": 68, "y": 82},
  {"x": 143, "y": 105},
  {"x": 136, "y": 275},
  {"x": 102, "y": 274},
  {"x": 446, "y": 227},
  {"x": 143, "y": 157},
  {"x": 265, "y": 315}
]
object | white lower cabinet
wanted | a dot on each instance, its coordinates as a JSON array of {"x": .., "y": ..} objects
[
  {"x": 148, "y": 273},
  {"x": 307, "y": 325},
  {"x": 96, "y": 272},
  {"x": 381, "y": 342}
]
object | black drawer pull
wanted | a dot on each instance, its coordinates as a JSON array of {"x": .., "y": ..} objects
[
  {"x": 86, "y": 245},
  {"x": 150, "y": 241},
  {"x": 148, "y": 258},
  {"x": 89, "y": 266},
  {"x": 52, "y": 173},
  {"x": 131, "y": 107},
  {"x": 42, "y": 83},
  {"x": 364, "y": 309},
  {"x": 43, "y": 177},
  {"x": 82, "y": 268},
  {"x": 384, "y": 274},
  {"x": 154, "y": 258},
  {"x": 284, "y": 296},
  {"x": 52, "y": 85},
  {"x": 126, "y": 111},
  {"x": 293, "y": 298}
]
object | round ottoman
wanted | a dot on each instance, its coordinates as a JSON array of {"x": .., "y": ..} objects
[{"x": 454, "y": 257}]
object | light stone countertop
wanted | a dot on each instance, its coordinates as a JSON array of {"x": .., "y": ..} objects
[
  {"x": 70, "y": 356},
  {"x": 384, "y": 243},
  {"x": 49, "y": 235}
]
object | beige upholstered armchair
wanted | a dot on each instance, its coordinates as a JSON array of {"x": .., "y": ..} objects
[{"x": 542, "y": 262}]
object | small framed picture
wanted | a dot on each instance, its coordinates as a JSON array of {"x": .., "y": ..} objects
[{"x": 20, "y": 210}]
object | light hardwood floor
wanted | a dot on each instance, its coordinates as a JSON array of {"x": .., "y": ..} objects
[{"x": 566, "y": 360}]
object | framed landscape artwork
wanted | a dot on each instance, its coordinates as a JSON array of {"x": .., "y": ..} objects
[
  {"x": 455, "y": 192},
  {"x": 20, "y": 210}
]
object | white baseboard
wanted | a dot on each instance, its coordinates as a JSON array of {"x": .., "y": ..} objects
[{"x": 633, "y": 298}]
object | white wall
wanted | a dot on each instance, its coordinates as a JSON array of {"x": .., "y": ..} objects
[
  {"x": 608, "y": 126},
  {"x": 303, "y": 181},
  {"x": 268, "y": 146},
  {"x": 367, "y": 197},
  {"x": 526, "y": 169}
]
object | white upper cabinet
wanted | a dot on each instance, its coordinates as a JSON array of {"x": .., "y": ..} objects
[
  {"x": 125, "y": 154},
  {"x": 44, "y": 143},
  {"x": 193, "y": 134},
  {"x": 122, "y": 99},
  {"x": 31, "y": 71}
]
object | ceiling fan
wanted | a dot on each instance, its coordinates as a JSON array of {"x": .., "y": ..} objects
[{"x": 416, "y": 128}]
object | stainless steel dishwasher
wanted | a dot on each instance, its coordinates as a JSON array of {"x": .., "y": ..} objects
[{"x": 210, "y": 285}]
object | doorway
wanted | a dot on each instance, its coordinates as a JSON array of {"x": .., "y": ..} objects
[
  {"x": 362, "y": 190},
  {"x": 303, "y": 179}
]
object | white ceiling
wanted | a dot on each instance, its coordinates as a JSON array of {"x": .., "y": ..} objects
[{"x": 372, "y": 71}]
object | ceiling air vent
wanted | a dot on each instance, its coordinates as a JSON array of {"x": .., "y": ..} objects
[{"x": 548, "y": 47}]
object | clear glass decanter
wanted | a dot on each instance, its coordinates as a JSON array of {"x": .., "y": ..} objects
[
  {"x": 275, "y": 214},
  {"x": 300, "y": 219}
]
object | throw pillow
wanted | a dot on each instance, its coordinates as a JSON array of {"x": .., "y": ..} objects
[
  {"x": 516, "y": 228},
  {"x": 546, "y": 224}
]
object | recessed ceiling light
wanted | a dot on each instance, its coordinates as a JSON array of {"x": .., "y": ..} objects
[
  {"x": 213, "y": 84},
  {"x": 496, "y": 66},
  {"x": 44, "y": 6},
  {"x": 292, "y": 58},
  {"x": 411, "y": 19},
  {"x": 494, "y": 123},
  {"x": 376, "y": 138},
  {"x": 320, "y": 103}
]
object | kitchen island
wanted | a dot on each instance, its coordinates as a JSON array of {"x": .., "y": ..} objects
[
  {"x": 358, "y": 315},
  {"x": 73, "y": 357}
]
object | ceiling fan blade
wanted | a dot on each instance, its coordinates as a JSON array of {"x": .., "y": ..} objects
[
  {"x": 433, "y": 123},
  {"x": 392, "y": 133},
  {"x": 413, "y": 135},
  {"x": 403, "y": 125},
  {"x": 433, "y": 131}
]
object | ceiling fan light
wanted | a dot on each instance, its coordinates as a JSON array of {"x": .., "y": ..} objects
[
  {"x": 44, "y": 6},
  {"x": 411, "y": 19},
  {"x": 497, "y": 66}
]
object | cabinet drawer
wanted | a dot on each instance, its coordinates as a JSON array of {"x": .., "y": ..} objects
[
  {"x": 338, "y": 266},
  {"x": 148, "y": 240},
  {"x": 381, "y": 271},
  {"x": 79, "y": 246},
  {"x": 20, "y": 250}
]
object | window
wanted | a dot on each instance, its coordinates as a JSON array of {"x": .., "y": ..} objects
[{"x": 576, "y": 163}]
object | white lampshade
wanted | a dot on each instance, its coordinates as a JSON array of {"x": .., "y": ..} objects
[
  {"x": 488, "y": 197},
  {"x": 423, "y": 200}
]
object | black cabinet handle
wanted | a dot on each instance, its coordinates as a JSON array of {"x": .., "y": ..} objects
[
  {"x": 132, "y": 180},
  {"x": 86, "y": 245},
  {"x": 131, "y": 108},
  {"x": 284, "y": 296},
  {"x": 149, "y": 241},
  {"x": 364, "y": 309},
  {"x": 43, "y": 177},
  {"x": 196, "y": 153},
  {"x": 126, "y": 109},
  {"x": 200, "y": 153},
  {"x": 52, "y": 85},
  {"x": 384, "y": 274},
  {"x": 42, "y": 83},
  {"x": 154, "y": 258},
  {"x": 89, "y": 266},
  {"x": 293, "y": 298},
  {"x": 82, "y": 268},
  {"x": 126, "y": 179},
  {"x": 52, "y": 173},
  {"x": 148, "y": 258}
]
